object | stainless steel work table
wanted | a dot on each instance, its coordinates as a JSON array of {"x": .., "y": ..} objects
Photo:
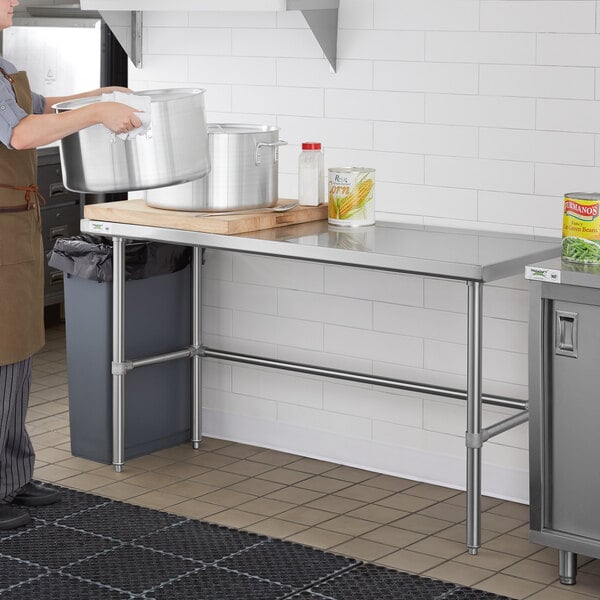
[{"x": 474, "y": 257}]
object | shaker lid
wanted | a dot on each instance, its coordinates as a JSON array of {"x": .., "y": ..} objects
[{"x": 311, "y": 145}]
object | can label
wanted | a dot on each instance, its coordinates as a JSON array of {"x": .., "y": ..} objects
[
  {"x": 351, "y": 196},
  {"x": 581, "y": 228}
]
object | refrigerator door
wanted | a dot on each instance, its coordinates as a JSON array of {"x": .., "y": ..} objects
[{"x": 61, "y": 56}]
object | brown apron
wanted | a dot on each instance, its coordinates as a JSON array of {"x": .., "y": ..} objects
[{"x": 21, "y": 250}]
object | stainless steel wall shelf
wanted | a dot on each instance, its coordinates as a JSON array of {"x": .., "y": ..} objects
[{"x": 124, "y": 17}]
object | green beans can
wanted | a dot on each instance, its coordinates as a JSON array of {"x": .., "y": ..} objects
[{"x": 581, "y": 228}]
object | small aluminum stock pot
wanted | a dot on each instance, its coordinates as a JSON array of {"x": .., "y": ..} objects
[{"x": 244, "y": 173}]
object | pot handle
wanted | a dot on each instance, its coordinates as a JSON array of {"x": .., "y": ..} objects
[
  {"x": 275, "y": 145},
  {"x": 113, "y": 136}
]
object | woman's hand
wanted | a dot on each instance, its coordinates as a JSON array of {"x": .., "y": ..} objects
[{"x": 118, "y": 117}]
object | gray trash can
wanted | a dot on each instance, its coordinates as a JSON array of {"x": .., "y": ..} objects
[{"x": 157, "y": 308}]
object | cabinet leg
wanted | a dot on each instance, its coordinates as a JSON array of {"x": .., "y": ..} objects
[
  {"x": 474, "y": 413},
  {"x": 567, "y": 567},
  {"x": 198, "y": 257},
  {"x": 118, "y": 343}
]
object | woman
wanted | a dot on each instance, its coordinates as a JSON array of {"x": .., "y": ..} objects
[{"x": 26, "y": 122}]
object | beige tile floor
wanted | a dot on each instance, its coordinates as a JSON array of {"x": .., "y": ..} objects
[{"x": 402, "y": 524}]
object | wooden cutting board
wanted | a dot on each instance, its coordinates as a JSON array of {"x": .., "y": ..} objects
[{"x": 137, "y": 212}]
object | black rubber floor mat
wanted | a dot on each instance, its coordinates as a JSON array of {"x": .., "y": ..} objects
[
  {"x": 121, "y": 521},
  {"x": 471, "y": 594},
  {"x": 57, "y": 587},
  {"x": 212, "y": 583},
  {"x": 14, "y": 571},
  {"x": 91, "y": 547},
  {"x": 307, "y": 596},
  {"x": 53, "y": 546},
  {"x": 200, "y": 541},
  {"x": 369, "y": 582},
  {"x": 71, "y": 502},
  {"x": 289, "y": 564},
  {"x": 132, "y": 568}
]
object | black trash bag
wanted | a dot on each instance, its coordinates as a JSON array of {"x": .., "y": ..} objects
[{"x": 90, "y": 257}]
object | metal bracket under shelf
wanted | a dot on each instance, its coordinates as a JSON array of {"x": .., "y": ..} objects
[
  {"x": 322, "y": 18},
  {"x": 320, "y": 15},
  {"x": 126, "y": 26}
]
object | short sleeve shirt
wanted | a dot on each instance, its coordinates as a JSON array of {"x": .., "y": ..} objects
[{"x": 10, "y": 112}]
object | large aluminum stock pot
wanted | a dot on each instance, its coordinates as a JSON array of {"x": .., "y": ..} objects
[
  {"x": 244, "y": 172},
  {"x": 173, "y": 150}
]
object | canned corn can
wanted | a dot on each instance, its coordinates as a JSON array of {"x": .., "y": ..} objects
[
  {"x": 581, "y": 228},
  {"x": 351, "y": 196}
]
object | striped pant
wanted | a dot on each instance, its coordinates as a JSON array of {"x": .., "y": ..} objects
[{"x": 16, "y": 451}]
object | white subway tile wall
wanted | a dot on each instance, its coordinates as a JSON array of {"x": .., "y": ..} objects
[{"x": 474, "y": 113}]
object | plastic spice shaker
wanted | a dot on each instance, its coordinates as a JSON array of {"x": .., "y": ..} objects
[{"x": 311, "y": 190}]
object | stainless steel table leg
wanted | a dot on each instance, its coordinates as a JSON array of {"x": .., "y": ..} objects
[
  {"x": 118, "y": 338},
  {"x": 567, "y": 567},
  {"x": 474, "y": 344},
  {"x": 197, "y": 342}
]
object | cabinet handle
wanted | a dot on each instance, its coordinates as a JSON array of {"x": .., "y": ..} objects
[
  {"x": 565, "y": 335},
  {"x": 58, "y": 232},
  {"x": 56, "y": 277},
  {"x": 57, "y": 189}
]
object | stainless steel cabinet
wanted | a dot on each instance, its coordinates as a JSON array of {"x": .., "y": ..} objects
[{"x": 565, "y": 418}]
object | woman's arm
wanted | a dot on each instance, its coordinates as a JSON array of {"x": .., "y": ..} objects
[
  {"x": 51, "y": 101},
  {"x": 38, "y": 130}
]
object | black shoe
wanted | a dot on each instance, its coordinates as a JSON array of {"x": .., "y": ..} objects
[
  {"x": 36, "y": 494},
  {"x": 12, "y": 517}
]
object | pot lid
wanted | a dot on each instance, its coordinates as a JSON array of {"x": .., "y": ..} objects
[{"x": 231, "y": 128}]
